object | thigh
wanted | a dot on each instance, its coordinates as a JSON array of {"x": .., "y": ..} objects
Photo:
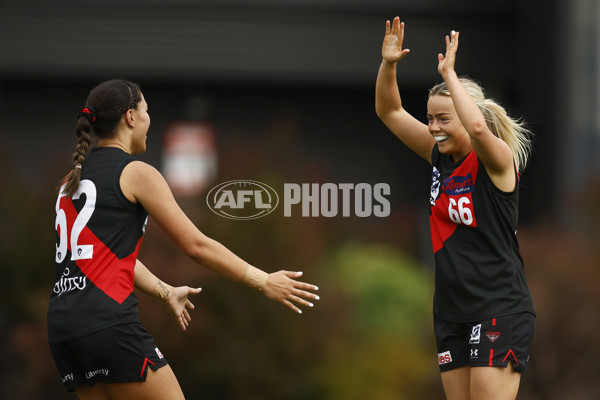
[
  {"x": 456, "y": 383},
  {"x": 494, "y": 383},
  {"x": 159, "y": 385},
  {"x": 96, "y": 392}
]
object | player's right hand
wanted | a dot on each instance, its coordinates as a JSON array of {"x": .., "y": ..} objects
[{"x": 392, "y": 50}]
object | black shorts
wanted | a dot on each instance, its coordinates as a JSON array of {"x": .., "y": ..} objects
[
  {"x": 490, "y": 343},
  {"x": 120, "y": 353}
]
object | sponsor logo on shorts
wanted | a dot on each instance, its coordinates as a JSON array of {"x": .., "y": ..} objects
[
  {"x": 158, "y": 353},
  {"x": 91, "y": 374},
  {"x": 444, "y": 358},
  {"x": 475, "y": 334},
  {"x": 66, "y": 378},
  {"x": 474, "y": 353},
  {"x": 492, "y": 336}
]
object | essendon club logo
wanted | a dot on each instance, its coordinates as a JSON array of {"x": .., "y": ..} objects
[{"x": 492, "y": 336}]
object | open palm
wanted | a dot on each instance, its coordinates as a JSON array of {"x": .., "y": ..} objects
[
  {"x": 391, "y": 50},
  {"x": 446, "y": 62}
]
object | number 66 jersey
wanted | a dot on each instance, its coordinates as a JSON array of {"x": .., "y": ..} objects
[
  {"x": 478, "y": 268},
  {"x": 98, "y": 236}
]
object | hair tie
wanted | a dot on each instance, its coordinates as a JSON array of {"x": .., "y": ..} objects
[{"x": 89, "y": 113}]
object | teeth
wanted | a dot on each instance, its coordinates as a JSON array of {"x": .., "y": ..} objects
[{"x": 440, "y": 138}]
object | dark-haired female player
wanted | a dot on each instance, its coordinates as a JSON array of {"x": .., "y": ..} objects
[
  {"x": 484, "y": 318},
  {"x": 99, "y": 345}
]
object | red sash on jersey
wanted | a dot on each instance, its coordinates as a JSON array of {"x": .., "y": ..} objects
[
  {"x": 454, "y": 205},
  {"x": 105, "y": 270}
]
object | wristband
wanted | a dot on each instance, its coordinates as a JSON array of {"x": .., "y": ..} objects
[{"x": 255, "y": 277}]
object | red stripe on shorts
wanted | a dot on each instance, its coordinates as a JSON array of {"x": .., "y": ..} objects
[
  {"x": 146, "y": 361},
  {"x": 493, "y": 321},
  {"x": 491, "y": 357},
  {"x": 513, "y": 354}
]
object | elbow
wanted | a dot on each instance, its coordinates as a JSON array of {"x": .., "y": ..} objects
[
  {"x": 477, "y": 128},
  {"x": 381, "y": 114},
  {"x": 384, "y": 113},
  {"x": 198, "y": 249}
]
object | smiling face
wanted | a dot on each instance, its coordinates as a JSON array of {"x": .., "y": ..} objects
[{"x": 446, "y": 128}]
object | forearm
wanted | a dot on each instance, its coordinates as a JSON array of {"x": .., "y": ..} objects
[
  {"x": 148, "y": 283},
  {"x": 469, "y": 113},
  {"x": 387, "y": 95},
  {"x": 215, "y": 256}
]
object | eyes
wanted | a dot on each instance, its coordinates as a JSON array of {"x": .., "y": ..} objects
[{"x": 441, "y": 120}]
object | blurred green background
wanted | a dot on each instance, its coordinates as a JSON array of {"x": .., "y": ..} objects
[{"x": 288, "y": 87}]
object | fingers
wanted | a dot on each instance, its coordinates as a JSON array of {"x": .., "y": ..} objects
[
  {"x": 300, "y": 300},
  {"x": 292, "y": 306},
  {"x": 190, "y": 305},
  {"x": 298, "y": 284},
  {"x": 394, "y": 28},
  {"x": 306, "y": 295},
  {"x": 452, "y": 41}
]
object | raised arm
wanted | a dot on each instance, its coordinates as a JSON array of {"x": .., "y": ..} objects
[
  {"x": 141, "y": 183},
  {"x": 388, "y": 103},
  {"x": 175, "y": 298},
  {"x": 493, "y": 151}
]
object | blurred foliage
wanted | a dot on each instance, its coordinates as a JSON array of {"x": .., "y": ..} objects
[{"x": 383, "y": 347}]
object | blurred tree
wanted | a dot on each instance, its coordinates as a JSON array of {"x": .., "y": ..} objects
[{"x": 382, "y": 346}]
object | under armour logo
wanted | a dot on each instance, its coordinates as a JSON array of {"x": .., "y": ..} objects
[{"x": 474, "y": 353}]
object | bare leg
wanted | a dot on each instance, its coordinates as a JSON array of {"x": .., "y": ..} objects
[
  {"x": 160, "y": 385},
  {"x": 456, "y": 383},
  {"x": 494, "y": 383},
  {"x": 96, "y": 392}
]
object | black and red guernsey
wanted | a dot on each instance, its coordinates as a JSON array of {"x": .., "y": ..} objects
[
  {"x": 479, "y": 270},
  {"x": 98, "y": 236}
]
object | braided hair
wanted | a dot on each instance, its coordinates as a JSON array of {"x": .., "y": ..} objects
[{"x": 105, "y": 106}]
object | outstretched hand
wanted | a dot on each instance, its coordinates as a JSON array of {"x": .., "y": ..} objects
[
  {"x": 391, "y": 50},
  {"x": 179, "y": 304},
  {"x": 282, "y": 286},
  {"x": 446, "y": 62}
]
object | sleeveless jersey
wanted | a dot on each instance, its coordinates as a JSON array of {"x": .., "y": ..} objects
[
  {"x": 478, "y": 267},
  {"x": 98, "y": 236}
]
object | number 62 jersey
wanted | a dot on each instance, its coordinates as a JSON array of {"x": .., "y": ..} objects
[
  {"x": 98, "y": 237},
  {"x": 478, "y": 268}
]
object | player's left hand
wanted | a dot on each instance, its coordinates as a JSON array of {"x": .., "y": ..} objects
[
  {"x": 179, "y": 304},
  {"x": 282, "y": 286},
  {"x": 446, "y": 62}
]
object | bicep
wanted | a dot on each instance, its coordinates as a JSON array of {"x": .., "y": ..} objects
[
  {"x": 497, "y": 158},
  {"x": 412, "y": 132},
  {"x": 493, "y": 151},
  {"x": 150, "y": 189}
]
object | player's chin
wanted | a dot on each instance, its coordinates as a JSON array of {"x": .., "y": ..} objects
[{"x": 444, "y": 147}]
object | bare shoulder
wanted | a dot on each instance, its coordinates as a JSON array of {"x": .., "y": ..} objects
[{"x": 137, "y": 177}]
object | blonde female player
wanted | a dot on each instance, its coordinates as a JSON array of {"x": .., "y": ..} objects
[
  {"x": 101, "y": 349},
  {"x": 484, "y": 319}
]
